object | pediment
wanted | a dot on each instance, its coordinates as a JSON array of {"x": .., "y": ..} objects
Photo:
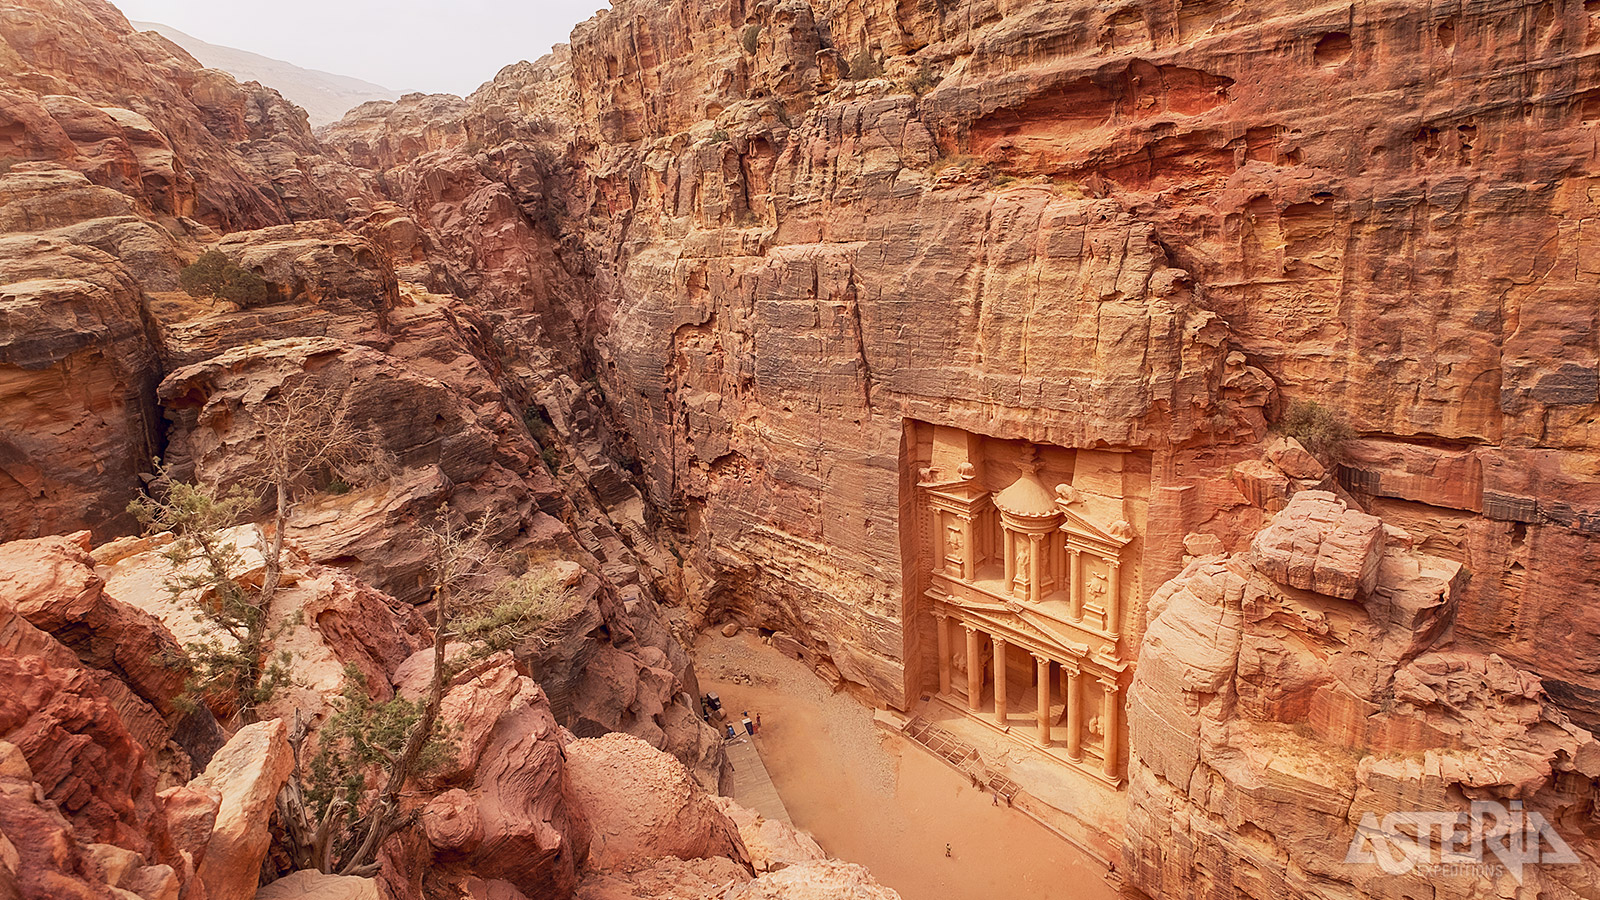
[
  {"x": 1041, "y": 629},
  {"x": 1079, "y": 526}
]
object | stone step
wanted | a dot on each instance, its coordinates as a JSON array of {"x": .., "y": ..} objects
[{"x": 961, "y": 756}]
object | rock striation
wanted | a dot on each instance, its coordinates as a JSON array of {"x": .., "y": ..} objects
[
  {"x": 1268, "y": 721},
  {"x": 704, "y": 306}
]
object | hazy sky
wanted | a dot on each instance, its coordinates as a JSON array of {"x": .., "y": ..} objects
[{"x": 404, "y": 45}]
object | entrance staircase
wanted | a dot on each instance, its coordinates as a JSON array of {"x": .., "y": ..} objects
[{"x": 962, "y": 757}]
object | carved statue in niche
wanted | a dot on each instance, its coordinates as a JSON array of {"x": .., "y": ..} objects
[
  {"x": 1095, "y": 727},
  {"x": 953, "y": 555},
  {"x": 1020, "y": 582},
  {"x": 1097, "y": 587}
]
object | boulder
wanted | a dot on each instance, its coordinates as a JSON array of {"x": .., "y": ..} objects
[
  {"x": 247, "y": 772},
  {"x": 192, "y": 811},
  {"x": 508, "y": 826},
  {"x": 668, "y": 878},
  {"x": 642, "y": 803},
  {"x": 1319, "y": 544},
  {"x": 771, "y": 844},
  {"x": 55, "y": 586}
]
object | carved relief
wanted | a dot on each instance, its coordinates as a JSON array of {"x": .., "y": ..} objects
[{"x": 1037, "y": 569}]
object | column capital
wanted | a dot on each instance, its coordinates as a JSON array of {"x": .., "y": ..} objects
[
  {"x": 1109, "y": 682},
  {"x": 998, "y": 640},
  {"x": 941, "y": 614},
  {"x": 971, "y": 628},
  {"x": 1070, "y": 667},
  {"x": 1041, "y": 658}
]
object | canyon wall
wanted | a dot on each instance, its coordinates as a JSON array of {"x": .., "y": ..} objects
[
  {"x": 707, "y": 302},
  {"x": 1136, "y": 227},
  {"x": 813, "y": 234}
]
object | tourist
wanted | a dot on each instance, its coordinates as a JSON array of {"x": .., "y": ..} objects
[
  {"x": 758, "y": 723},
  {"x": 731, "y": 733},
  {"x": 749, "y": 726}
]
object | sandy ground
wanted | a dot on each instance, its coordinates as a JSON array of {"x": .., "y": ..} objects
[{"x": 878, "y": 800}]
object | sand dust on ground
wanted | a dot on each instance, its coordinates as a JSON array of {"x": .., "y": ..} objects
[{"x": 875, "y": 799}]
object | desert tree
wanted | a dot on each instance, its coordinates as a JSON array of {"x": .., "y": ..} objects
[
  {"x": 233, "y": 665},
  {"x": 215, "y": 275},
  {"x": 308, "y": 438},
  {"x": 346, "y": 801}
]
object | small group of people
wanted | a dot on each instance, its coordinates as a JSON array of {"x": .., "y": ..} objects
[
  {"x": 711, "y": 705},
  {"x": 750, "y": 727}
]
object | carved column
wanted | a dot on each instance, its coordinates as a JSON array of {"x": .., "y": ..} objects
[
  {"x": 1114, "y": 599},
  {"x": 1043, "y": 662},
  {"x": 1074, "y": 711},
  {"x": 969, "y": 564},
  {"x": 974, "y": 671},
  {"x": 943, "y": 628},
  {"x": 999, "y": 682},
  {"x": 1075, "y": 588},
  {"x": 1035, "y": 565},
  {"x": 1011, "y": 559},
  {"x": 1111, "y": 719}
]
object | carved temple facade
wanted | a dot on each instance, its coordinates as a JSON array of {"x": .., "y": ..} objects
[{"x": 1027, "y": 565}]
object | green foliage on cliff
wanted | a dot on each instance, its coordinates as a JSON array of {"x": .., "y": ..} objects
[
  {"x": 863, "y": 66},
  {"x": 361, "y": 737},
  {"x": 214, "y": 275},
  {"x": 234, "y": 667},
  {"x": 1320, "y": 429},
  {"x": 515, "y": 612}
]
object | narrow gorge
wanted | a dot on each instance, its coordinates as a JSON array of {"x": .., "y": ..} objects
[{"x": 1178, "y": 416}]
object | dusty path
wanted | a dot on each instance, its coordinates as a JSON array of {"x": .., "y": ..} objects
[{"x": 882, "y": 802}]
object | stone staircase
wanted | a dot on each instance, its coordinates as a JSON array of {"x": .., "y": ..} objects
[{"x": 962, "y": 757}]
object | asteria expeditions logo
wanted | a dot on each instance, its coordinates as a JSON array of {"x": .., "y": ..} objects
[{"x": 1442, "y": 844}]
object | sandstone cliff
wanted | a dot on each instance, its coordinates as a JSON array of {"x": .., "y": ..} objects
[
  {"x": 696, "y": 304},
  {"x": 803, "y": 223}
]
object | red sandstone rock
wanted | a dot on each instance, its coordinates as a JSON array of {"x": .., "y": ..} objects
[
  {"x": 821, "y": 880},
  {"x": 70, "y": 314},
  {"x": 451, "y": 822},
  {"x": 54, "y": 585},
  {"x": 1302, "y": 711},
  {"x": 512, "y": 822},
  {"x": 313, "y": 885},
  {"x": 191, "y": 811},
  {"x": 642, "y": 803},
  {"x": 771, "y": 844},
  {"x": 1318, "y": 544},
  {"x": 137, "y": 114},
  {"x": 81, "y": 754},
  {"x": 668, "y": 878},
  {"x": 248, "y": 773}
]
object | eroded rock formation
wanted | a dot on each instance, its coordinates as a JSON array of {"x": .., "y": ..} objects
[
  {"x": 1268, "y": 720},
  {"x": 706, "y": 306}
]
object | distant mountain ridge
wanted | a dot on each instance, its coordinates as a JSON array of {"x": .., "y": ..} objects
[{"x": 324, "y": 96}]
